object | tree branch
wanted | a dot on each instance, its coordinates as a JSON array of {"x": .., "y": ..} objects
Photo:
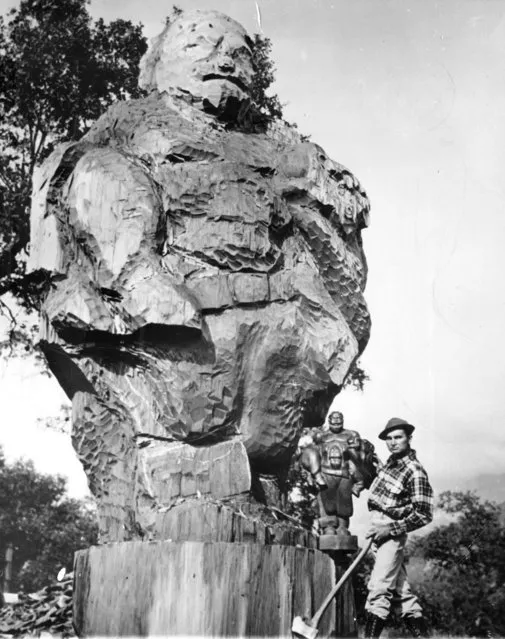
[{"x": 5, "y": 310}]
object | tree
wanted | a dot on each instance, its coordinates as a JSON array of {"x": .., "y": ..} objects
[
  {"x": 44, "y": 525},
  {"x": 463, "y": 589},
  {"x": 58, "y": 73},
  {"x": 264, "y": 75}
]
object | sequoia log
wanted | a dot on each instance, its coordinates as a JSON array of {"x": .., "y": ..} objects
[{"x": 238, "y": 589}]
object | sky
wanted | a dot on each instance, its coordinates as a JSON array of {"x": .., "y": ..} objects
[{"x": 410, "y": 96}]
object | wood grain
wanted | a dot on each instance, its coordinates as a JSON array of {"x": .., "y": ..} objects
[
  {"x": 199, "y": 589},
  {"x": 205, "y": 282}
]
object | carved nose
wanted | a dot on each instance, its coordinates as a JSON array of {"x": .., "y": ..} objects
[{"x": 76, "y": 307}]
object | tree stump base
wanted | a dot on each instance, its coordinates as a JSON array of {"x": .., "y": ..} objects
[{"x": 197, "y": 588}]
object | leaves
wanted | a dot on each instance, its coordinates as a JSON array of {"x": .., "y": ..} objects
[
  {"x": 58, "y": 72},
  {"x": 463, "y": 590},
  {"x": 302, "y": 495},
  {"x": 264, "y": 75},
  {"x": 357, "y": 377},
  {"x": 45, "y": 526}
]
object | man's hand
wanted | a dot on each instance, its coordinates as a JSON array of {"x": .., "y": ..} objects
[{"x": 379, "y": 532}]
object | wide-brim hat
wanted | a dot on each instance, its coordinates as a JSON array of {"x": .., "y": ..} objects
[{"x": 393, "y": 424}]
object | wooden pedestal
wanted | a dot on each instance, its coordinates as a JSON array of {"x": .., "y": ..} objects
[{"x": 200, "y": 589}]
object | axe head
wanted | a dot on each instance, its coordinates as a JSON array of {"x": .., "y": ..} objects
[{"x": 301, "y": 628}]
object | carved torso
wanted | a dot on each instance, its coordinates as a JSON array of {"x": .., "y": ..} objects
[
  {"x": 206, "y": 284},
  {"x": 330, "y": 445}
]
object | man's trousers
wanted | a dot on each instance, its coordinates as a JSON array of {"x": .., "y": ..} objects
[{"x": 388, "y": 588}]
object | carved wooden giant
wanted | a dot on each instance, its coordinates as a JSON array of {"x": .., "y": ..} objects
[{"x": 205, "y": 296}]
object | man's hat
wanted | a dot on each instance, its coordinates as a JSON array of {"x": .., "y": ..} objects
[{"x": 393, "y": 424}]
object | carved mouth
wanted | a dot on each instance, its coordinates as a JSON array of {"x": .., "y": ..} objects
[
  {"x": 229, "y": 78},
  {"x": 151, "y": 334},
  {"x": 163, "y": 342}
]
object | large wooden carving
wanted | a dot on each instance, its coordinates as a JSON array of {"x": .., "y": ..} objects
[{"x": 205, "y": 285}]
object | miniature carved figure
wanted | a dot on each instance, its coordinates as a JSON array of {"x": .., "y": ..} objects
[
  {"x": 205, "y": 283},
  {"x": 341, "y": 465}
]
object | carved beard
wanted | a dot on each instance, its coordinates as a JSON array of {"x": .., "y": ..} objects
[{"x": 167, "y": 390}]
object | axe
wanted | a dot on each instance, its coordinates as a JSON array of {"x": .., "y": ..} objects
[{"x": 308, "y": 629}]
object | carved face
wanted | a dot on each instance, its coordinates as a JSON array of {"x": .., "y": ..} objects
[
  {"x": 204, "y": 54},
  {"x": 336, "y": 422}
]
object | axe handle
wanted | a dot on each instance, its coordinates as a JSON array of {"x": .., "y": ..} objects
[{"x": 320, "y": 612}]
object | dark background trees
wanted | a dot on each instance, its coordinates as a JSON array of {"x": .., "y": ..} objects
[
  {"x": 59, "y": 71},
  {"x": 43, "y": 524},
  {"x": 264, "y": 75},
  {"x": 462, "y": 585}
]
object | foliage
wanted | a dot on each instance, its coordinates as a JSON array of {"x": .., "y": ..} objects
[
  {"x": 302, "y": 495},
  {"x": 176, "y": 11},
  {"x": 463, "y": 590},
  {"x": 60, "y": 423},
  {"x": 58, "y": 72},
  {"x": 18, "y": 329},
  {"x": 264, "y": 74},
  {"x": 356, "y": 377},
  {"x": 44, "y": 525}
]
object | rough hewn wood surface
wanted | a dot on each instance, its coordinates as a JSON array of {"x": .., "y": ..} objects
[
  {"x": 242, "y": 522},
  {"x": 238, "y": 589},
  {"x": 204, "y": 303},
  {"x": 205, "y": 281}
]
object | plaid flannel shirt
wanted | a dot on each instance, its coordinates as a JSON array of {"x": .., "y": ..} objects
[{"x": 402, "y": 491}]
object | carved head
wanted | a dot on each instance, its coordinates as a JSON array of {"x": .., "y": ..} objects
[
  {"x": 206, "y": 56},
  {"x": 336, "y": 422}
]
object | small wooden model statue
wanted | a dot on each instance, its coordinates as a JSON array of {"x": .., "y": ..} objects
[{"x": 341, "y": 465}]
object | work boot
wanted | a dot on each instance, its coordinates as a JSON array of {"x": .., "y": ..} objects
[
  {"x": 373, "y": 626},
  {"x": 416, "y": 626}
]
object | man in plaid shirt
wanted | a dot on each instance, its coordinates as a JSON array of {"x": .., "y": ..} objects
[{"x": 400, "y": 500}]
